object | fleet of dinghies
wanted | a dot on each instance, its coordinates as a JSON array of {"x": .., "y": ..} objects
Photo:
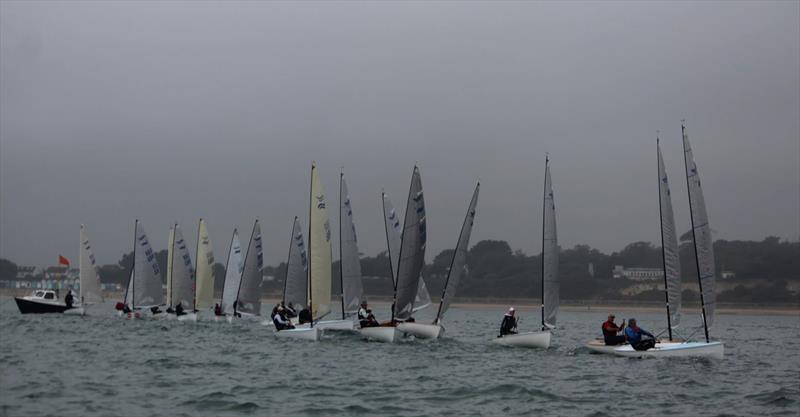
[{"x": 307, "y": 280}]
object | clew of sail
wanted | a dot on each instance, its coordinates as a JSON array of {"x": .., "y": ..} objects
[
  {"x": 147, "y": 291},
  {"x": 669, "y": 244},
  {"x": 233, "y": 274},
  {"x": 550, "y": 284},
  {"x": 249, "y": 295},
  {"x": 90, "y": 292},
  {"x": 182, "y": 272},
  {"x": 458, "y": 265},
  {"x": 295, "y": 289},
  {"x": 319, "y": 245},
  {"x": 352, "y": 290},
  {"x": 204, "y": 281},
  {"x": 704, "y": 249},
  {"x": 412, "y": 249}
]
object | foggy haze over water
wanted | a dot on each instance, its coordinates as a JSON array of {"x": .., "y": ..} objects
[{"x": 175, "y": 111}]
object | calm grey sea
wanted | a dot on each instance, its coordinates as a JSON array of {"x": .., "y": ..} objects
[{"x": 100, "y": 365}]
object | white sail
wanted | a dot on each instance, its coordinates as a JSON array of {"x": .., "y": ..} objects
[
  {"x": 295, "y": 289},
  {"x": 147, "y": 289},
  {"x": 170, "y": 258},
  {"x": 204, "y": 281},
  {"x": 550, "y": 284},
  {"x": 252, "y": 275},
  {"x": 669, "y": 241},
  {"x": 352, "y": 289},
  {"x": 412, "y": 249},
  {"x": 319, "y": 245},
  {"x": 233, "y": 274},
  {"x": 394, "y": 233},
  {"x": 458, "y": 266},
  {"x": 704, "y": 246},
  {"x": 90, "y": 292},
  {"x": 182, "y": 272}
]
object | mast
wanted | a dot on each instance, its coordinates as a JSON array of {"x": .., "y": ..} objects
[
  {"x": 452, "y": 261},
  {"x": 197, "y": 262},
  {"x": 288, "y": 258},
  {"x": 694, "y": 238},
  {"x": 663, "y": 247},
  {"x": 341, "y": 267},
  {"x": 544, "y": 207},
  {"x": 310, "y": 209}
]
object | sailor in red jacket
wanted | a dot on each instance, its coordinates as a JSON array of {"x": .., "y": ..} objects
[{"x": 610, "y": 330}]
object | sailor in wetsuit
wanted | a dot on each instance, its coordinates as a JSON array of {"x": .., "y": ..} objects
[
  {"x": 365, "y": 316},
  {"x": 280, "y": 320},
  {"x": 509, "y": 324},
  {"x": 69, "y": 299},
  {"x": 610, "y": 330},
  {"x": 305, "y": 316},
  {"x": 634, "y": 335}
]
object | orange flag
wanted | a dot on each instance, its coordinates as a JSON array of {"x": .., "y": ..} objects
[{"x": 62, "y": 260}]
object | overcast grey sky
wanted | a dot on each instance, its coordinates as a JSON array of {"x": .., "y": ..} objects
[{"x": 167, "y": 112}]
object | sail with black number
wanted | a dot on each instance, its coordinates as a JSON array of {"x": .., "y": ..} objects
[
  {"x": 90, "y": 292},
  {"x": 250, "y": 287},
  {"x": 350, "y": 262},
  {"x": 233, "y": 274},
  {"x": 701, "y": 231},
  {"x": 669, "y": 244},
  {"x": 204, "y": 275},
  {"x": 550, "y": 284},
  {"x": 295, "y": 289},
  {"x": 458, "y": 265},
  {"x": 144, "y": 285},
  {"x": 180, "y": 288},
  {"x": 319, "y": 245},
  {"x": 412, "y": 250}
]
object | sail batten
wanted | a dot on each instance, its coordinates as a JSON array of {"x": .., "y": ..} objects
[
  {"x": 249, "y": 294},
  {"x": 458, "y": 265},
  {"x": 669, "y": 244},
  {"x": 412, "y": 250},
  {"x": 550, "y": 252},
  {"x": 295, "y": 290},
  {"x": 701, "y": 231},
  {"x": 350, "y": 262},
  {"x": 233, "y": 274},
  {"x": 90, "y": 292}
]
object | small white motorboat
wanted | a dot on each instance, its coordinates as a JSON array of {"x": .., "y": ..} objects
[
  {"x": 386, "y": 334},
  {"x": 714, "y": 350},
  {"x": 539, "y": 339},
  {"x": 421, "y": 331},
  {"x": 309, "y": 333}
]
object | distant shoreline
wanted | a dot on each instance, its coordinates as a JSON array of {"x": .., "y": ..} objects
[{"x": 603, "y": 306}]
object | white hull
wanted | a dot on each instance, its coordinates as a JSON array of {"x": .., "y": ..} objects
[
  {"x": 422, "y": 331},
  {"x": 312, "y": 333},
  {"x": 528, "y": 340},
  {"x": 380, "y": 334},
  {"x": 347, "y": 325},
  {"x": 675, "y": 349},
  {"x": 599, "y": 346},
  {"x": 188, "y": 317}
]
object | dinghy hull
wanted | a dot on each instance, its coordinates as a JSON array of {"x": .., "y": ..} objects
[
  {"x": 312, "y": 334},
  {"x": 36, "y": 307},
  {"x": 384, "y": 334},
  {"x": 188, "y": 317},
  {"x": 344, "y": 325},
  {"x": 539, "y": 340},
  {"x": 714, "y": 350},
  {"x": 421, "y": 331},
  {"x": 600, "y": 346}
]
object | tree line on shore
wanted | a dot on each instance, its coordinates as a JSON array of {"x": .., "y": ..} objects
[{"x": 762, "y": 271}]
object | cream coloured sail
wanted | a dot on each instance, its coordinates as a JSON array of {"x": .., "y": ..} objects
[
  {"x": 90, "y": 292},
  {"x": 669, "y": 244},
  {"x": 233, "y": 274},
  {"x": 319, "y": 245},
  {"x": 204, "y": 274}
]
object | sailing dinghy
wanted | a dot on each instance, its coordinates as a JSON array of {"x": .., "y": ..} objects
[
  {"x": 457, "y": 269},
  {"x": 144, "y": 289},
  {"x": 204, "y": 274},
  {"x": 180, "y": 276},
  {"x": 233, "y": 276},
  {"x": 704, "y": 257},
  {"x": 319, "y": 266},
  {"x": 411, "y": 257},
  {"x": 550, "y": 283},
  {"x": 295, "y": 283}
]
